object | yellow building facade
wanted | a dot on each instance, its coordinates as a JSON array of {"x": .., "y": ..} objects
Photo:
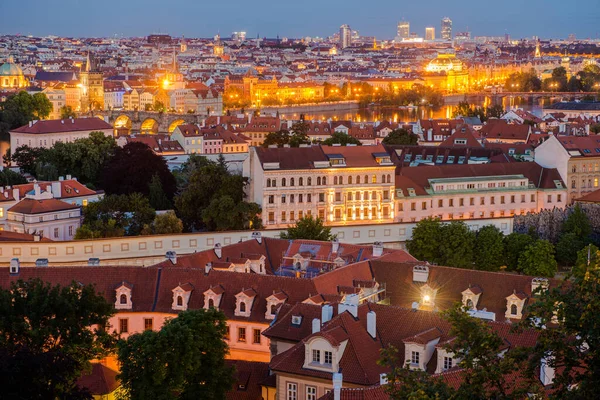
[{"x": 11, "y": 76}]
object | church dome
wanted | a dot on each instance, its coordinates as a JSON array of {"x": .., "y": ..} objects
[
  {"x": 10, "y": 69},
  {"x": 445, "y": 62}
]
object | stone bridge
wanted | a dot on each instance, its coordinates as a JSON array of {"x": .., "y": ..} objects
[{"x": 146, "y": 122}]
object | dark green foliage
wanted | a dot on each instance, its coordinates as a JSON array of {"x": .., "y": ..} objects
[
  {"x": 456, "y": 247},
  {"x": 158, "y": 198},
  {"x": 523, "y": 82},
  {"x": 166, "y": 223},
  {"x": 205, "y": 187},
  {"x": 401, "y": 136},
  {"x": 184, "y": 360},
  {"x": 573, "y": 341},
  {"x": 25, "y": 158},
  {"x": 294, "y": 138},
  {"x": 67, "y": 112},
  {"x": 20, "y": 108},
  {"x": 489, "y": 248},
  {"x": 514, "y": 245},
  {"x": 116, "y": 215},
  {"x": 342, "y": 139},
  {"x": 11, "y": 178},
  {"x": 464, "y": 109},
  {"x": 538, "y": 259},
  {"x": 567, "y": 248},
  {"x": 308, "y": 228},
  {"x": 46, "y": 341},
  {"x": 132, "y": 168},
  {"x": 424, "y": 244},
  {"x": 577, "y": 223}
]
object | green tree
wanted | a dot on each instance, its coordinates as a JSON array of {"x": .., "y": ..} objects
[
  {"x": 463, "y": 109},
  {"x": 426, "y": 236},
  {"x": 342, "y": 139},
  {"x": 567, "y": 247},
  {"x": 26, "y": 157},
  {"x": 489, "y": 248},
  {"x": 495, "y": 111},
  {"x": 538, "y": 259},
  {"x": 278, "y": 138},
  {"x": 595, "y": 128},
  {"x": 158, "y": 198},
  {"x": 132, "y": 169},
  {"x": 578, "y": 223},
  {"x": 184, "y": 360},
  {"x": 116, "y": 215},
  {"x": 164, "y": 224},
  {"x": 11, "y": 178},
  {"x": 566, "y": 320},
  {"x": 308, "y": 228},
  {"x": 67, "y": 112},
  {"x": 159, "y": 107},
  {"x": 48, "y": 336},
  {"x": 456, "y": 248},
  {"x": 20, "y": 108},
  {"x": 514, "y": 245},
  {"x": 402, "y": 137}
]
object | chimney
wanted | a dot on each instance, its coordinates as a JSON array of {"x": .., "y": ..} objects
[
  {"x": 257, "y": 236},
  {"x": 372, "y": 324},
  {"x": 61, "y": 178},
  {"x": 37, "y": 237},
  {"x": 15, "y": 265},
  {"x": 546, "y": 371},
  {"x": 218, "y": 250},
  {"x": 62, "y": 121},
  {"x": 207, "y": 268},
  {"x": 350, "y": 304},
  {"x": 36, "y": 190},
  {"x": 335, "y": 245},
  {"x": 41, "y": 262},
  {"x": 30, "y": 124},
  {"x": 338, "y": 380},
  {"x": 68, "y": 177},
  {"x": 72, "y": 120},
  {"x": 326, "y": 313},
  {"x": 316, "y": 325},
  {"x": 420, "y": 273},
  {"x": 93, "y": 262},
  {"x": 16, "y": 194},
  {"x": 171, "y": 256},
  {"x": 377, "y": 249},
  {"x": 56, "y": 189},
  {"x": 383, "y": 379}
]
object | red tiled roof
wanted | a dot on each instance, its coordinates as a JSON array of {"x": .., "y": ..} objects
[
  {"x": 367, "y": 393},
  {"x": 66, "y": 125},
  {"x": 499, "y": 129},
  {"x": 69, "y": 188},
  {"x": 100, "y": 381},
  {"x": 248, "y": 377},
  {"x": 31, "y": 206},
  {"x": 593, "y": 197}
]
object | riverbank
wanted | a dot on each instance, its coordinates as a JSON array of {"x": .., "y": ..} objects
[{"x": 344, "y": 106}]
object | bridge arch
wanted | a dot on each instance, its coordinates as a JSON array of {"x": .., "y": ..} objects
[
  {"x": 122, "y": 125},
  {"x": 149, "y": 127},
  {"x": 175, "y": 124}
]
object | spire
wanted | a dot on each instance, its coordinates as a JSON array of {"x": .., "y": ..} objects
[{"x": 88, "y": 63}]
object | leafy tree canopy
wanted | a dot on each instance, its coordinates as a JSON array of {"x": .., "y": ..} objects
[
  {"x": 514, "y": 245},
  {"x": 184, "y": 360},
  {"x": 67, "y": 112},
  {"x": 164, "y": 224},
  {"x": 489, "y": 248},
  {"x": 20, "y": 108},
  {"x": 46, "y": 341},
  {"x": 402, "y": 137},
  {"x": 342, "y": 139},
  {"x": 308, "y": 228},
  {"x": 538, "y": 259}
]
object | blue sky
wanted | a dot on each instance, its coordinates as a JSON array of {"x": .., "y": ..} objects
[{"x": 204, "y": 18}]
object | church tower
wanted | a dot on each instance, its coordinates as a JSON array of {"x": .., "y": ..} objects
[
  {"x": 218, "y": 48},
  {"x": 538, "y": 52},
  {"x": 92, "y": 86}
]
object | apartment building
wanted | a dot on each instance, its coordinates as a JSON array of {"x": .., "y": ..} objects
[{"x": 341, "y": 185}]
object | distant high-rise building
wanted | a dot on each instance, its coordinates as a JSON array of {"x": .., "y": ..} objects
[
  {"x": 446, "y": 28},
  {"x": 345, "y": 36},
  {"x": 430, "y": 33},
  {"x": 238, "y": 36},
  {"x": 403, "y": 30}
]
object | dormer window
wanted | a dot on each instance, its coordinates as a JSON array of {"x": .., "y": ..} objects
[
  {"x": 181, "y": 296},
  {"x": 514, "y": 310},
  {"x": 212, "y": 297},
  {"x": 273, "y": 303},
  {"x": 515, "y": 303},
  {"x": 123, "y": 298},
  {"x": 415, "y": 358},
  {"x": 470, "y": 297},
  {"x": 244, "y": 301}
]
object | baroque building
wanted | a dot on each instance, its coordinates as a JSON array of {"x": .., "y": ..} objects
[{"x": 92, "y": 86}]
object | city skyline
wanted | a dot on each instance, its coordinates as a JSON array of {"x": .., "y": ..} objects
[{"x": 550, "y": 19}]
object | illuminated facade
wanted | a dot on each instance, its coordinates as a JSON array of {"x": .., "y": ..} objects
[
  {"x": 446, "y": 73},
  {"x": 430, "y": 33},
  {"x": 341, "y": 185},
  {"x": 11, "y": 76},
  {"x": 403, "y": 30},
  {"x": 446, "y": 28},
  {"x": 345, "y": 36},
  {"x": 92, "y": 87}
]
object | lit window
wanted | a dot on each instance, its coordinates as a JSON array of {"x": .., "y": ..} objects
[
  {"x": 148, "y": 324},
  {"x": 123, "y": 325},
  {"x": 241, "y": 334},
  {"x": 256, "y": 336}
]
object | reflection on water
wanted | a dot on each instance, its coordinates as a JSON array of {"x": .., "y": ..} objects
[{"x": 410, "y": 114}]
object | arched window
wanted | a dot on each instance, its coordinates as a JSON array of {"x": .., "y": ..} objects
[
  {"x": 243, "y": 306},
  {"x": 291, "y": 181},
  {"x": 389, "y": 179},
  {"x": 123, "y": 299},
  {"x": 300, "y": 182},
  {"x": 349, "y": 180},
  {"x": 179, "y": 300},
  {"x": 470, "y": 303},
  {"x": 273, "y": 309},
  {"x": 374, "y": 179},
  {"x": 211, "y": 303},
  {"x": 283, "y": 182},
  {"x": 366, "y": 179},
  {"x": 269, "y": 182},
  {"x": 341, "y": 180},
  {"x": 324, "y": 181},
  {"x": 335, "y": 180},
  {"x": 309, "y": 181},
  {"x": 274, "y": 182},
  {"x": 318, "y": 180},
  {"x": 358, "y": 179},
  {"x": 513, "y": 309}
]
